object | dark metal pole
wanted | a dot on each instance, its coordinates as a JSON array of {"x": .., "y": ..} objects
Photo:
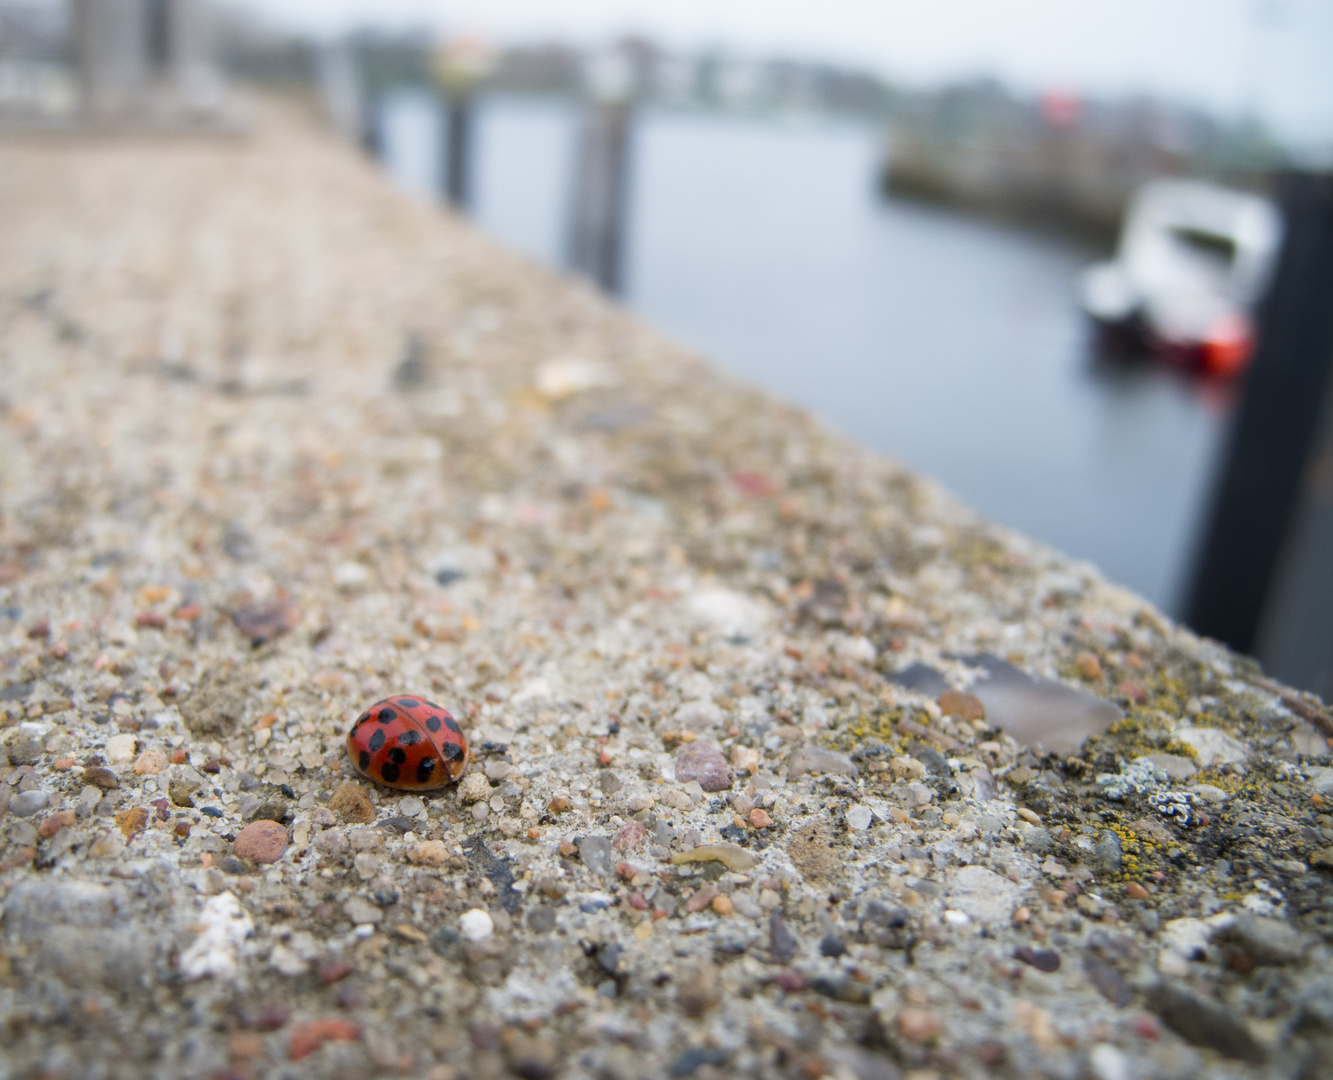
[
  {"x": 458, "y": 153},
  {"x": 597, "y": 233},
  {"x": 1273, "y": 434}
]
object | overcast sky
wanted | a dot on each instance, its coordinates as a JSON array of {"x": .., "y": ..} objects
[{"x": 1275, "y": 56}]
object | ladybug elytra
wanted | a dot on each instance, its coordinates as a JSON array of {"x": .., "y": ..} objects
[{"x": 408, "y": 742}]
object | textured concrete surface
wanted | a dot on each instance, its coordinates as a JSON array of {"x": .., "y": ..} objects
[{"x": 784, "y": 764}]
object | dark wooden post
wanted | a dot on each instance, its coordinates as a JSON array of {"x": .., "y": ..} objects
[
  {"x": 458, "y": 148},
  {"x": 111, "y": 57},
  {"x": 597, "y": 230},
  {"x": 1255, "y": 508}
]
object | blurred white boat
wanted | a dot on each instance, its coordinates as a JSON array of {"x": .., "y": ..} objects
[{"x": 1192, "y": 263}]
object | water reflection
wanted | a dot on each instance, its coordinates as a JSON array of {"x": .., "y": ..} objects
[{"x": 953, "y": 344}]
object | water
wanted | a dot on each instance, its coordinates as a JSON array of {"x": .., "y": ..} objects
[{"x": 949, "y": 343}]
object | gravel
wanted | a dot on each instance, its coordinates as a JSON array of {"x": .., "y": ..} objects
[{"x": 783, "y": 762}]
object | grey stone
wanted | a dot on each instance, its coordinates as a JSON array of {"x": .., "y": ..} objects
[
  {"x": 23, "y": 833},
  {"x": 182, "y": 784},
  {"x": 1108, "y": 852},
  {"x": 541, "y": 920},
  {"x": 611, "y": 958},
  {"x": 703, "y": 762},
  {"x": 1204, "y": 1023},
  {"x": 1035, "y": 711},
  {"x": 1038, "y": 839},
  {"x": 983, "y": 894},
  {"x": 1175, "y": 766},
  {"x": 932, "y": 759},
  {"x": 609, "y": 782},
  {"x": 663, "y": 833},
  {"x": 809, "y": 759},
  {"x": 595, "y": 851},
  {"x": 85, "y": 933},
  {"x": 331, "y": 842},
  {"x": 25, "y": 750},
  {"x": 886, "y": 925},
  {"x": 781, "y": 940},
  {"x": 1212, "y": 746},
  {"x": 360, "y": 910},
  {"x": 27, "y": 803},
  {"x": 1265, "y": 942}
]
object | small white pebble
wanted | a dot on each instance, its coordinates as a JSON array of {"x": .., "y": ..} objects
[
  {"x": 1108, "y": 1063},
  {"x": 476, "y": 925},
  {"x": 956, "y": 918},
  {"x": 120, "y": 748},
  {"x": 859, "y": 818}
]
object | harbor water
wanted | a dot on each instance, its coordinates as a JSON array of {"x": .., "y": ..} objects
[{"x": 952, "y": 344}]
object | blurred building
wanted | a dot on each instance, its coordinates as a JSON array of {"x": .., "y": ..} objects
[
  {"x": 1058, "y": 159},
  {"x": 110, "y": 62}
]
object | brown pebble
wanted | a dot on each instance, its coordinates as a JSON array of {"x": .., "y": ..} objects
[
  {"x": 245, "y": 1044},
  {"x": 1088, "y": 666},
  {"x": 310, "y": 1036},
  {"x": 102, "y": 778},
  {"x": 760, "y": 818},
  {"x": 629, "y": 836},
  {"x": 1047, "y": 960},
  {"x": 626, "y": 870},
  {"x": 1135, "y": 891},
  {"x": 703, "y": 761},
  {"x": 963, "y": 706},
  {"x": 132, "y": 822},
  {"x": 261, "y": 842},
  {"x": 723, "y": 905},
  {"x": 567, "y": 848},
  {"x": 262, "y": 622},
  {"x": 698, "y": 991},
  {"x": 267, "y": 1017},
  {"x": 428, "y": 853},
  {"x": 701, "y": 899},
  {"x": 333, "y": 971},
  {"x": 918, "y": 1025},
  {"x": 54, "y": 823},
  {"x": 351, "y": 803},
  {"x": 150, "y": 763},
  {"x": 182, "y": 829},
  {"x": 558, "y": 805}
]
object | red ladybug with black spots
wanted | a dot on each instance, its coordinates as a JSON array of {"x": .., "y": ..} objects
[{"x": 408, "y": 742}]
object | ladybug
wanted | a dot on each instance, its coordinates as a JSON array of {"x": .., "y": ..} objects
[{"x": 408, "y": 742}]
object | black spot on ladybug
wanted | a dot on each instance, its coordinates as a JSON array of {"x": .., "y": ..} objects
[
  {"x": 433, "y": 723},
  {"x": 397, "y": 755},
  {"x": 452, "y": 751},
  {"x": 363, "y": 718},
  {"x": 390, "y": 772},
  {"x": 410, "y": 737},
  {"x": 408, "y": 702},
  {"x": 425, "y": 767},
  {"x": 386, "y": 715},
  {"x": 376, "y": 740},
  {"x": 452, "y": 725},
  {"x": 364, "y": 760}
]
